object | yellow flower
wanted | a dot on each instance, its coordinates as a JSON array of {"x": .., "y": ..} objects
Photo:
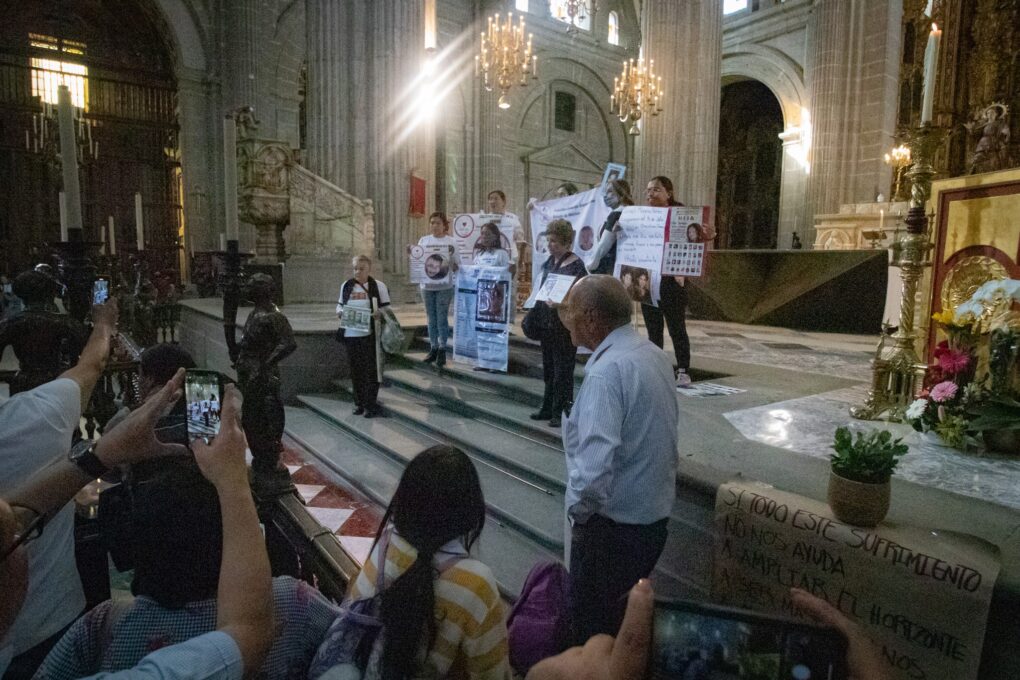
[{"x": 944, "y": 318}]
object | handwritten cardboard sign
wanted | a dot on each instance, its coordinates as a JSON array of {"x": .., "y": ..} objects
[{"x": 922, "y": 594}]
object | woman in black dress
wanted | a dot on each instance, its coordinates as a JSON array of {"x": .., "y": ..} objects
[{"x": 558, "y": 352}]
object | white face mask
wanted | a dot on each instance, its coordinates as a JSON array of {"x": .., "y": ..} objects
[{"x": 611, "y": 199}]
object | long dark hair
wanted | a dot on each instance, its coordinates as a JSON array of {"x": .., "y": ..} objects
[
  {"x": 667, "y": 184},
  {"x": 439, "y": 499},
  {"x": 493, "y": 227}
]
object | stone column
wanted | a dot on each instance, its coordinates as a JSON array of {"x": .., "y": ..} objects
[
  {"x": 852, "y": 71},
  {"x": 684, "y": 37},
  {"x": 201, "y": 162},
  {"x": 241, "y": 37},
  {"x": 364, "y": 61}
]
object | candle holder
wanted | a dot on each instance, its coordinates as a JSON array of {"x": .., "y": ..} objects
[{"x": 897, "y": 371}]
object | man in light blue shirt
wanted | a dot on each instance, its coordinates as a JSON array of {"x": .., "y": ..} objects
[{"x": 620, "y": 441}]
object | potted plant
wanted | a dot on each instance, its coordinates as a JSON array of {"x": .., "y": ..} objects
[{"x": 859, "y": 479}]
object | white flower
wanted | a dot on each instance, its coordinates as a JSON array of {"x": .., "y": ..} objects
[
  {"x": 971, "y": 308},
  {"x": 916, "y": 409},
  {"x": 990, "y": 290}
]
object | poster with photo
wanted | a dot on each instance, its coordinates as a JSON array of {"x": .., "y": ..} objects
[
  {"x": 586, "y": 211},
  {"x": 683, "y": 252},
  {"x": 481, "y": 317},
  {"x": 430, "y": 264},
  {"x": 555, "y": 288},
  {"x": 613, "y": 171},
  {"x": 468, "y": 226},
  {"x": 639, "y": 249},
  {"x": 356, "y": 319}
]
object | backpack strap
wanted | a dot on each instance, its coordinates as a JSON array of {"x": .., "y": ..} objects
[{"x": 380, "y": 570}]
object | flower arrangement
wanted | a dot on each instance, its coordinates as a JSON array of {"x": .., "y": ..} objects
[{"x": 971, "y": 386}]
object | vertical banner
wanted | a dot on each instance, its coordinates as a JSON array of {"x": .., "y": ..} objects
[
  {"x": 586, "y": 211},
  {"x": 417, "y": 204},
  {"x": 468, "y": 226},
  {"x": 482, "y": 317},
  {"x": 923, "y": 595}
]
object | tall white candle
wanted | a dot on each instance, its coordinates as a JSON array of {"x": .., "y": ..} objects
[
  {"x": 230, "y": 177},
  {"x": 69, "y": 158},
  {"x": 139, "y": 225},
  {"x": 881, "y": 220},
  {"x": 113, "y": 237},
  {"x": 62, "y": 197},
  {"x": 931, "y": 59}
]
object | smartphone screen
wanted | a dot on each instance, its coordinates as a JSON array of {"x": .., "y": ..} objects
[
  {"x": 100, "y": 291},
  {"x": 695, "y": 641},
  {"x": 203, "y": 399}
]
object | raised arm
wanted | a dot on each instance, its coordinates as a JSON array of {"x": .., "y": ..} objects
[
  {"x": 244, "y": 599},
  {"x": 92, "y": 361}
]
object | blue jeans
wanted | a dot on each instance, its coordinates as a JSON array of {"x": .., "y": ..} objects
[{"x": 437, "y": 307}]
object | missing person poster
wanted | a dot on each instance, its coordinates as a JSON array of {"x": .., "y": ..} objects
[
  {"x": 923, "y": 595},
  {"x": 430, "y": 264},
  {"x": 639, "y": 251},
  {"x": 683, "y": 253},
  {"x": 555, "y": 288},
  {"x": 481, "y": 333},
  {"x": 356, "y": 319},
  {"x": 586, "y": 211},
  {"x": 468, "y": 226}
]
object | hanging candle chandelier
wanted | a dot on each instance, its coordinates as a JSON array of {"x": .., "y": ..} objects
[
  {"x": 576, "y": 12},
  {"x": 637, "y": 92},
  {"x": 506, "y": 58}
]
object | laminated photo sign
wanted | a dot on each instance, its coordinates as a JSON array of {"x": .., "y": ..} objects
[
  {"x": 481, "y": 317},
  {"x": 468, "y": 226},
  {"x": 683, "y": 253},
  {"x": 923, "y": 595},
  {"x": 430, "y": 264}
]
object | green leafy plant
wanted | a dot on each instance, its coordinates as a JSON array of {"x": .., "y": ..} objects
[
  {"x": 997, "y": 412},
  {"x": 870, "y": 458}
]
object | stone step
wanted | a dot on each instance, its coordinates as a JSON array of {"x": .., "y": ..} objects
[
  {"x": 534, "y": 509},
  {"x": 510, "y": 386},
  {"x": 539, "y": 461},
  {"x": 505, "y": 550},
  {"x": 475, "y": 401}
]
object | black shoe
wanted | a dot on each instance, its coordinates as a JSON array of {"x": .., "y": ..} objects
[
  {"x": 555, "y": 422},
  {"x": 433, "y": 353},
  {"x": 373, "y": 412},
  {"x": 540, "y": 415},
  {"x": 359, "y": 411},
  {"x": 441, "y": 358}
]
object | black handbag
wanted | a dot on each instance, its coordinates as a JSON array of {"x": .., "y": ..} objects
[{"x": 535, "y": 323}]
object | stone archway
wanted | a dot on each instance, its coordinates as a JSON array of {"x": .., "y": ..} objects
[{"x": 784, "y": 78}]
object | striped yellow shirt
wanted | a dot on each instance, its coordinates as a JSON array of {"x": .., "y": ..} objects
[{"x": 470, "y": 627}]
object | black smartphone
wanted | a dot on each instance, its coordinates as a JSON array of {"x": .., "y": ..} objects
[
  {"x": 100, "y": 291},
  {"x": 203, "y": 399},
  {"x": 694, "y": 640}
]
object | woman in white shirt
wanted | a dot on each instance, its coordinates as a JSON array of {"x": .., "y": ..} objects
[
  {"x": 437, "y": 296},
  {"x": 359, "y": 292}
]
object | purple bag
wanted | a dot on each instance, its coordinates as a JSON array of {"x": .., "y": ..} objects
[{"x": 538, "y": 626}]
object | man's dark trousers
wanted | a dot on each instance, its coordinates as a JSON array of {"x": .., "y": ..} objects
[{"x": 606, "y": 560}]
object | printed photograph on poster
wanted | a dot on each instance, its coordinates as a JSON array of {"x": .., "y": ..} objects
[
  {"x": 555, "y": 288},
  {"x": 429, "y": 264},
  {"x": 467, "y": 227},
  {"x": 356, "y": 319},
  {"x": 492, "y": 297},
  {"x": 638, "y": 282},
  {"x": 585, "y": 240},
  {"x": 613, "y": 171},
  {"x": 683, "y": 253}
]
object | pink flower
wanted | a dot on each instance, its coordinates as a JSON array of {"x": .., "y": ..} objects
[
  {"x": 943, "y": 392},
  {"x": 954, "y": 362}
]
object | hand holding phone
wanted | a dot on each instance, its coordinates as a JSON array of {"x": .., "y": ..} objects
[
  {"x": 100, "y": 291},
  {"x": 203, "y": 403}
]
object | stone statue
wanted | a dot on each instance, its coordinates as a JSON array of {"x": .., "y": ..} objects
[
  {"x": 992, "y": 150},
  {"x": 266, "y": 340},
  {"x": 247, "y": 123},
  {"x": 45, "y": 342}
]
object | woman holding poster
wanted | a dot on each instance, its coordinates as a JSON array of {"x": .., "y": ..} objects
[
  {"x": 558, "y": 352},
  {"x": 437, "y": 296},
  {"x": 617, "y": 197},
  {"x": 489, "y": 251}
]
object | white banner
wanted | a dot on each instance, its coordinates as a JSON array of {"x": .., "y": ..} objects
[
  {"x": 430, "y": 264},
  {"x": 586, "y": 211},
  {"x": 482, "y": 317},
  {"x": 468, "y": 226}
]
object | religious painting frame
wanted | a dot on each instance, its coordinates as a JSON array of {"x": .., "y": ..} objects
[{"x": 976, "y": 238}]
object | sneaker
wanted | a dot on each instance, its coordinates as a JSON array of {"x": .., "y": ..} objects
[
  {"x": 683, "y": 381},
  {"x": 441, "y": 358},
  {"x": 433, "y": 353}
]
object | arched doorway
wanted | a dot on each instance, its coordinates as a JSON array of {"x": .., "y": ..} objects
[
  {"x": 750, "y": 166},
  {"x": 116, "y": 58}
]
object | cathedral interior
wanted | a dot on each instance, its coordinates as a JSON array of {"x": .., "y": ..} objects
[{"x": 856, "y": 161}]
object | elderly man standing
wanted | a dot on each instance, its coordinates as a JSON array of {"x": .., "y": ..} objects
[{"x": 620, "y": 441}]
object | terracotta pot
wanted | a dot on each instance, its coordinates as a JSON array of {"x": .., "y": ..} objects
[
  {"x": 857, "y": 503},
  {"x": 1002, "y": 441}
]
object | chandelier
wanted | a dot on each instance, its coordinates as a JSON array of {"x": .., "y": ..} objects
[
  {"x": 637, "y": 92},
  {"x": 899, "y": 159},
  {"x": 506, "y": 57},
  {"x": 575, "y": 12}
]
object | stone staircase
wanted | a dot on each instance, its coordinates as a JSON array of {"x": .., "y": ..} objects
[{"x": 519, "y": 461}]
